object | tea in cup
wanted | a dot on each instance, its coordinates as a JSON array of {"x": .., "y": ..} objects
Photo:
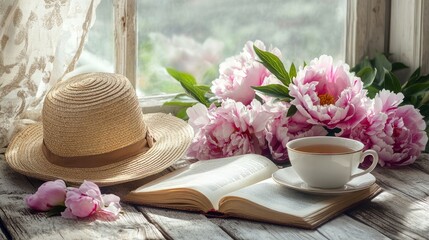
[{"x": 328, "y": 162}]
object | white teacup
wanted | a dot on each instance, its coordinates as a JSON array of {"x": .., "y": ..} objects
[{"x": 328, "y": 162}]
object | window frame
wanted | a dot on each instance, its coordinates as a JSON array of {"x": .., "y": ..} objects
[
  {"x": 409, "y": 34},
  {"x": 372, "y": 26},
  {"x": 367, "y": 29},
  {"x": 125, "y": 31}
]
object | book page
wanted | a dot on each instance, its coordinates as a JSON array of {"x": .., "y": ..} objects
[
  {"x": 268, "y": 201},
  {"x": 215, "y": 178},
  {"x": 272, "y": 195}
]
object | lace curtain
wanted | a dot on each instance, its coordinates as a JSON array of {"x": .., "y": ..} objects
[{"x": 40, "y": 42}]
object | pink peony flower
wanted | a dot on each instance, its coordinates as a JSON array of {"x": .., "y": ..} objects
[
  {"x": 280, "y": 129},
  {"x": 238, "y": 73},
  {"x": 329, "y": 94},
  {"x": 396, "y": 133},
  {"x": 79, "y": 204},
  {"x": 87, "y": 200},
  {"x": 110, "y": 206},
  {"x": 49, "y": 194},
  {"x": 229, "y": 130}
]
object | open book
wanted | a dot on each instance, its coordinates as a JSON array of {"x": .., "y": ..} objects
[{"x": 242, "y": 187}]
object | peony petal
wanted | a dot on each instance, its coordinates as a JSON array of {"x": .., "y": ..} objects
[
  {"x": 48, "y": 195},
  {"x": 110, "y": 198},
  {"x": 83, "y": 207},
  {"x": 396, "y": 133},
  {"x": 238, "y": 73},
  {"x": 112, "y": 210},
  {"x": 197, "y": 116},
  {"x": 322, "y": 77},
  {"x": 280, "y": 129},
  {"x": 89, "y": 187},
  {"x": 36, "y": 203}
]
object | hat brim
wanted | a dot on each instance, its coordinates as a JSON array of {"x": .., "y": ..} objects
[{"x": 173, "y": 136}]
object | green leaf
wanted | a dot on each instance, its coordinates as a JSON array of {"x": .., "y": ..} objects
[
  {"x": 411, "y": 100},
  {"x": 189, "y": 84},
  {"x": 381, "y": 60},
  {"x": 292, "y": 71},
  {"x": 56, "y": 211},
  {"x": 425, "y": 99},
  {"x": 204, "y": 88},
  {"x": 274, "y": 90},
  {"x": 363, "y": 64},
  {"x": 367, "y": 76},
  {"x": 424, "y": 110},
  {"x": 421, "y": 79},
  {"x": 398, "y": 66},
  {"x": 372, "y": 91},
  {"x": 257, "y": 97},
  {"x": 416, "y": 89},
  {"x": 182, "y": 114},
  {"x": 182, "y": 76},
  {"x": 214, "y": 100},
  {"x": 291, "y": 111},
  {"x": 182, "y": 96},
  {"x": 391, "y": 82},
  {"x": 366, "y": 63},
  {"x": 273, "y": 64},
  {"x": 332, "y": 132},
  {"x": 355, "y": 68},
  {"x": 181, "y": 99},
  {"x": 381, "y": 63},
  {"x": 413, "y": 78}
]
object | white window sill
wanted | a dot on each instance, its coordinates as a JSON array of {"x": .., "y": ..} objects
[{"x": 154, "y": 104}]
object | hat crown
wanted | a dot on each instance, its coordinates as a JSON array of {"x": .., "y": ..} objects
[{"x": 92, "y": 114}]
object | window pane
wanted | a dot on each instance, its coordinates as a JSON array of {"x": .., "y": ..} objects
[
  {"x": 98, "y": 53},
  {"x": 195, "y": 36}
]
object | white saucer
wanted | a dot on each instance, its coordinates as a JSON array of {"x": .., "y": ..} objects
[{"x": 289, "y": 178}]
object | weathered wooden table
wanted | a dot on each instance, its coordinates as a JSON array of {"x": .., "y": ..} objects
[{"x": 400, "y": 212}]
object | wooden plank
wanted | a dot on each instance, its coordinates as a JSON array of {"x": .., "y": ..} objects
[
  {"x": 366, "y": 29},
  {"x": 401, "y": 212},
  {"x": 344, "y": 227},
  {"x": 422, "y": 163},
  {"x": 12, "y": 182},
  {"x": 22, "y": 223},
  {"x": 395, "y": 215},
  {"x": 183, "y": 225},
  {"x": 409, "y": 33},
  {"x": 408, "y": 180},
  {"x": 2, "y": 235},
  {"x": 243, "y": 229}
]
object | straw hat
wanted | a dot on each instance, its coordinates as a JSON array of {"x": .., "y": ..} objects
[{"x": 93, "y": 129}]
